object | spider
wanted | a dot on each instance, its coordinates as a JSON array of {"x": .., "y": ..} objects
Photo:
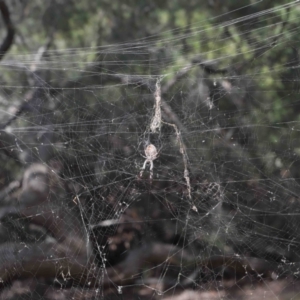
[{"x": 151, "y": 154}]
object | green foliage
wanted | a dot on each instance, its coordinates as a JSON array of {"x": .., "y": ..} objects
[{"x": 93, "y": 39}]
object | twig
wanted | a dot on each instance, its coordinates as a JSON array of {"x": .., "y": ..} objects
[
  {"x": 156, "y": 121},
  {"x": 156, "y": 124},
  {"x": 182, "y": 150},
  {"x": 10, "y": 29},
  {"x": 31, "y": 95}
]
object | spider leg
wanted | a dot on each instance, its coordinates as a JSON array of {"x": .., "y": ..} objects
[
  {"x": 144, "y": 167},
  {"x": 145, "y": 163},
  {"x": 151, "y": 165},
  {"x": 151, "y": 169}
]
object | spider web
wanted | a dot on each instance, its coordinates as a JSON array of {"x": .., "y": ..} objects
[{"x": 218, "y": 214}]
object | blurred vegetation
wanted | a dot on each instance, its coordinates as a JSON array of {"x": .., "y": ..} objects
[{"x": 238, "y": 102}]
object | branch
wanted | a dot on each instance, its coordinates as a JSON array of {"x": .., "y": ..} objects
[{"x": 10, "y": 29}]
